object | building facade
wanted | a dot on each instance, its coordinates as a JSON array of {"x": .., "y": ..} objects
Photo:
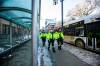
[{"x": 49, "y": 24}]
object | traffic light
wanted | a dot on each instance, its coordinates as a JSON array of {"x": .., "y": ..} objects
[{"x": 55, "y": 2}]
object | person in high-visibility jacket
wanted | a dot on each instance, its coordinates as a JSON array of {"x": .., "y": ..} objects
[
  {"x": 56, "y": 35},
  {"x": 43, "y": 37},
  {"x": 60, "y": 39},
  {"x": 50, "y": 37}
]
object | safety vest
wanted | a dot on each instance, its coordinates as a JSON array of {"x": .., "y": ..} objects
[
  {"x": 60, "y": 35},
  {"x": 56, "y": 35},
  {"x": 43, "y": 35},
  {"x": 50, "y": 36}
]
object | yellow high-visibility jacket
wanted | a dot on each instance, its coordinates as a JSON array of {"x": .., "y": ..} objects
[
  {"x": 43, "y": 35},
  {"x": 50, "y": 36},
  {"x": 56, "y": 35},
  {"x": 61, "y": 35}
]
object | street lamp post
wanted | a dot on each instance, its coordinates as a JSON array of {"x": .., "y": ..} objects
[
  {"x": 55, "y": 2},
  {"x": 62, "y": 14}
]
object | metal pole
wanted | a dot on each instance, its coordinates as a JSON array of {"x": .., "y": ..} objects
[
  {"x": 39, "y": 12},
  {"x": 62, "y": 14},
  {"x": 11, "y": 33}
]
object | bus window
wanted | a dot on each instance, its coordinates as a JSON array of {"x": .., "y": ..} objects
[
  {"x": 70, "y": 31},
  {"x": 79, "y": 32},
  {"x": 0, "y": 28},
  {"x": 89, "y": 41},
  {"x": 98, "y": 42}
]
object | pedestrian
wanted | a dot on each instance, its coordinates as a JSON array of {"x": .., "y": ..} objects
[
  {"x": 50, "y": 37},
  {"x": 56, "y": 35},
  {"x": 43, "y": 37},
  {"x": 60, "y": 39}
]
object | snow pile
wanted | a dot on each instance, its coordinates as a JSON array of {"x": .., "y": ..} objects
[{"x": 86, "y": 56}]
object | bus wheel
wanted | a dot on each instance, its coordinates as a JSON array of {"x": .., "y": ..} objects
[{"x": 79, "y": 43}]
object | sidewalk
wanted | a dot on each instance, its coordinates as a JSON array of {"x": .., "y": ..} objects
[
  {"x": 21, "y": 56},
  {"x": 60, "y": 58},
  {"x": 84, "y": 55}
]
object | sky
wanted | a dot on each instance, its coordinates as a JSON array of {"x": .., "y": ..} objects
[{"x": 50, "y": 11}]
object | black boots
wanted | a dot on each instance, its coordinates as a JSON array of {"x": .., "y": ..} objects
[
  {"x": 48, "y": 48},
  {"x": 53, "y": 49},
  {"x": 43, "y": 44},
  {"x": 59, "y": 47}
]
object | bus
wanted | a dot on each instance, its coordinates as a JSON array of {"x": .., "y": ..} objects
[{"x": 84, "y": 33}]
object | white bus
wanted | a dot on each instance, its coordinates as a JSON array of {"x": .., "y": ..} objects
[{"x": 84, "y": 33}]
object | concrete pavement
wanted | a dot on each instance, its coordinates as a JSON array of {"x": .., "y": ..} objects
[
  {"x": 65, "y": 58},
  {"x": 59, "y": 58},
  {"x": 21, "y": 56}
]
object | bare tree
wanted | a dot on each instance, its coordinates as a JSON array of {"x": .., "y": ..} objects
[{"x": 83, "y": 9}]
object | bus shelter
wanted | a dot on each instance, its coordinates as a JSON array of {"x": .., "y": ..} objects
[{"x": 15, "y": 23}]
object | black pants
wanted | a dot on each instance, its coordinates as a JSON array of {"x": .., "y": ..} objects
[
  {"x": 43, "y": 41},
  {"x": 51, "y": 41},
  {"x": 60, "y": 42}
]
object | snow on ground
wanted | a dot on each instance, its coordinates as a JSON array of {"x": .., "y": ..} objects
[
  {"x": 84, "y": 55},
  {"x": 44, "y": 57}
]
